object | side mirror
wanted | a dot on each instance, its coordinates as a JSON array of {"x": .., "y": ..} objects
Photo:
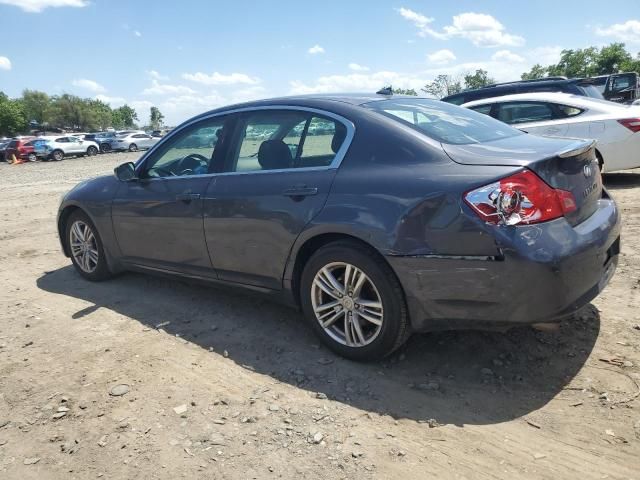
[{"x": 125, "y": 172}]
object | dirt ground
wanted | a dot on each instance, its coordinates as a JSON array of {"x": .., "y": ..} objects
[{"x": 227, "y": 386}]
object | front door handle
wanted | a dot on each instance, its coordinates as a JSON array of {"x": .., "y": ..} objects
[
  {"x": 187, "y": 197},
  {"x": 300, "y": 191}
]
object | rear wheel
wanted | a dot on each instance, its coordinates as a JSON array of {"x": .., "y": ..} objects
[
  {"x": 91, "y": 151},
  {"x": 354, "y": 301},
  {"x": 133, "y": 147},
  {"x": 57, "y": 155},
  {"x": 85, "y": 246},
  {"x": 105, "y": 147}
]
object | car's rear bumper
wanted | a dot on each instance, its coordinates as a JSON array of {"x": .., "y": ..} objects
[{"x": 541, "y": 273}]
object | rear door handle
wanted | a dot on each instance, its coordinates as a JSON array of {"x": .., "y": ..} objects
[
  {"x": 187, "y": 197},
  {"x": 300, "y": 191}
]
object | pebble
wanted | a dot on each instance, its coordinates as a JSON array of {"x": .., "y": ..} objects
[
  {"x": 317, "y": 438},
  {"x": 180, "y": 409},
  {"x": 486, "y": 371},
  {"x": 217, "y": 439},
  {"x": 325, "y": 361},
  {"x": 429, "y": 386},
  {"x": 274, "y": 408},
  {"x": 321, "y": 396},
  {"x": 63, "y": 409},
  {"x": 31, "y": 460},
  {"x": 627, "y": 363},
  {"x": 119, "y": 390},
  {"x": 59, "y": 415},
  {"x": 539, "y": 456},
  {"x": 103, "y": 441},
  {"x": 225, "y": 354}
]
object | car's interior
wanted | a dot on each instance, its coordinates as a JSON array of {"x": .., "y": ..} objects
[{"x": 261, "y": 141}]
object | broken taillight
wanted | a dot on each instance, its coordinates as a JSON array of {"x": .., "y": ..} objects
[{"x": 522, "y": 198}]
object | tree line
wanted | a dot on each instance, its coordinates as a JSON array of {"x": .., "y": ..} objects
[
  {"x": 587, "y": 62},
  {"x": 36, "y": 110}
]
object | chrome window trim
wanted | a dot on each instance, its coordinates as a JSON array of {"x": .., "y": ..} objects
[{"x": 335, "y": 163}]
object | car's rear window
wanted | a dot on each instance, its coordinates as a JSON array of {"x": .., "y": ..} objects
[
  {"x": 590, "y": 90},
  {"x": 444, "y": 122}
]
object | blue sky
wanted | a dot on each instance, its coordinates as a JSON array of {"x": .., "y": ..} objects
[{"x": 196, "y": 54}]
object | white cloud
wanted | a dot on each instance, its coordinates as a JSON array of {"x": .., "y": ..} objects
[
  {"x": 628, "y": 31},
  {"x": 506, "y": 56},
  {"x": 5, "y": 63},
  {"x": 90, "y": 85},
  {"x": 220, "y": 79},
  {"x": 479, "y": 28},
  {"x": 158, "y": 88},
  {"x": 113, "y": 101},
  {"x": 441, "y": 57},
  {"x": 156, "y": 75},
  {"x": 358, "y": 68},
  {"x": 137, "y": 33},
  {"x": 357, "y": 82},
  {"x": 416, "y": 18},
  {"x": 140, "y": 105},
  {"x": 315, "y": 50},
  {"x": 247, "y": 94},
  {"x": 37, "y": 6}
]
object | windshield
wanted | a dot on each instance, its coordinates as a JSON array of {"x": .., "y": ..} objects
[
  {"x": 444, "y": 122},
  {"x": 590, "y": 91}
]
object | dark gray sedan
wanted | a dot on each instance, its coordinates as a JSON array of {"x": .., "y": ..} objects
[{"x": 377, "y": 216}]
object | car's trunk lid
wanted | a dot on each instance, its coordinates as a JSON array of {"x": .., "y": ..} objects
[{"x": 565, "y": 164}]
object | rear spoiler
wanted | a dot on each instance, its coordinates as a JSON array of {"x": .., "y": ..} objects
[{"x": 573, "y": 152}]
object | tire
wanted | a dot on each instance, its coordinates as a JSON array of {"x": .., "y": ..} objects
[
  {"x": 105, "y": 147},
  {"x": 600, "y": 161},
  {"x": 133, "y": 147},
  {"x": 57, "y": 155},
  {"x": 369, "y": 341},
  {"x": 32, "y": 157},
  {"x": 84, "y": 262},
  {"x": 92, "y": 151}
]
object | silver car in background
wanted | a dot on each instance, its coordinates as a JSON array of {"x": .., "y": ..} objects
[{"x": 133, "y": 142}]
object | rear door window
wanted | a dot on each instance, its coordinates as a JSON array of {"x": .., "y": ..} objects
[
  {"x": 524, "y": 112},
  {"x": 484, "y": 109}
]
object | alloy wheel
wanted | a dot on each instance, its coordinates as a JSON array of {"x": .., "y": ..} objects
[
  {"x": 84, "y": 247},
  {"x": 347, "y": 304}
]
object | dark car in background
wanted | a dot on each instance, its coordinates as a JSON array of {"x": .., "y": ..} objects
[
  {"x": 391, "y": 215},
  {"x": 576, "y": 86},
  {"x": 3, "y": 147},
  {"x": 103, "y": 139}
]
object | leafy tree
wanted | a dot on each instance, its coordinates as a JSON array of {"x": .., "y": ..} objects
[
  {"x": 405, "y": 91},
  {"x": 12, "y": 118},
  {"x": 156, "y": 118},
  {"x": 478, "y": 80},
  {"x": 442, "y": 86},
  {"x": 98, "y": 115},
  {"x": 537, "y": 71},
  {"x": 612, "y": 59},
  {"x": 124, "y": 117},
  {"x": 576, "y": 63},
  {"x": 36, "y": 106}
]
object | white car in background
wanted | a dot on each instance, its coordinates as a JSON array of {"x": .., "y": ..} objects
[
  {"x": 616, "y": 127},
  {"x": 58, "y": 147},
  {"x": 133, "y": 141}
]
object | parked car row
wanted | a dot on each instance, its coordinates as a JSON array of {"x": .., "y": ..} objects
[
  {"x": 56, "y": 147},
  {"x": 569, "y": 108}
]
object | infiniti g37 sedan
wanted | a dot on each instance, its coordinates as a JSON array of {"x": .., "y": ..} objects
[{"x": 377, "y": 216}]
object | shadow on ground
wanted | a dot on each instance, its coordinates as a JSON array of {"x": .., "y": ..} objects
[
  {"x": 435, "y": 376},
  {"x": 618, "y": 181}
]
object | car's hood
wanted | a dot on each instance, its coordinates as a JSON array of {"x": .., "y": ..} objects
[{"x": 519, "y": 150}]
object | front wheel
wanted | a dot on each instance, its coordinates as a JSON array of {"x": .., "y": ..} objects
[
  {"x": 85, "y": 247},
  {"x": 354, "y": 302},
  {"x": 133, "y": 147},
  {"x": 32, "y": 157}
]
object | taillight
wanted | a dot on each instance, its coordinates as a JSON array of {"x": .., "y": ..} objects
[
  {"x": 632, "y": 124},
  {"x": 522, "y": 198}
]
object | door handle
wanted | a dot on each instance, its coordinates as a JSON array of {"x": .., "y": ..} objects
[
  {"x": 187, "y": 197},
  {"x": 300, "y": 191}
]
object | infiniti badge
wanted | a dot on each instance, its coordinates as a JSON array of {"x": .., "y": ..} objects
[{"x": 587, "y": 170}]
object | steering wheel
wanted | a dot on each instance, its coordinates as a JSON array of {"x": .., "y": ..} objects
[
  {"x": 188, "y": 164},
  {"x": 164, "y": 171}
]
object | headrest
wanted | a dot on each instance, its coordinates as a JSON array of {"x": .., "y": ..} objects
[{"x": 274, "y": 155}]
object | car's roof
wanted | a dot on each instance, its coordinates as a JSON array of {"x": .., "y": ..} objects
[{"x": 556, "y": 97}]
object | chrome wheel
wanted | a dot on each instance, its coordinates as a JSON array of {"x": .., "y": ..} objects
[
  {"x": 84, "y": 247},
  {"x": 347, "y": 304}
]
